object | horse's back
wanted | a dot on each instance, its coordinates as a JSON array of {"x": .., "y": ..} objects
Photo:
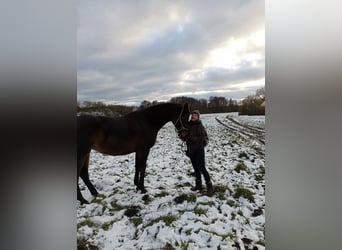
[
  {"x": 115, "y": 136},
  {"x": 122, "y": 135},
  {"x": 107, "y": 135}
]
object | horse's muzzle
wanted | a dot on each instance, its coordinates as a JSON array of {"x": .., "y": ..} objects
[{"x": 183, "y": 133}]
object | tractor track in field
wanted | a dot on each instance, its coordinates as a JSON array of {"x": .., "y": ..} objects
[
  {"x": 252, "y": 128},
  {"x": 256, "y": 134}
]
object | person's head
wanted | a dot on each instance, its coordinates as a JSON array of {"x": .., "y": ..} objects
[{"x": 195, "y": 115}]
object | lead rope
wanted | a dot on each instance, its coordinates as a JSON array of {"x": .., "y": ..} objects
[
  {"x": 183, "y": 146},
  {"x": 180, "y": 120}
]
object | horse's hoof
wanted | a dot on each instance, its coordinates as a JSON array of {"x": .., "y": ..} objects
[
  {"x": 84, "y": 202},
  {"x": 143, "y": 190}
]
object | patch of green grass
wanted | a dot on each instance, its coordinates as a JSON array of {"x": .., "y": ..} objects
[
  {"x": 100, "y": 196},
  {"x": 245, "y": 193},
  {"x": 240, "y": 167},
  {"x": 98, "y": 199},
  {"x": 185, "y": 197},
  {"x": 200, "y": 211},
  {"x": 261, "y": 242},
  {"x": 87, "y": 222},
  {"x": 188, "y": 232},
  {"x": 214, "y": 220},
  {"x": 203, "y": 222},
  {"x": 162, "y": 194},
  {"x": 105, "y": 226},
  {"x": 258, "y": 177},
  {"x": 233, "y": 215},
  {"x": 240, "y": 212},
  {"x": 167, "y": 219},
  {"x": 222, "y": 188},
  {"x": 82, "y": 243},
  {"x": 224, "y": 236},
  {"x": 116, "y": 206},
  {"x": 184, "y": 245},
  {"x": 261, "y": 175},
  {"x": 231, "y": 203},
  {"x": 192, "y": 198},
  {"x": 228, "y": 235},
  {"x": 262, "y": 170},
  {"x": 208, "y": 203},
  {"x": 104, "y": 209},
  {"x": 243, "y": 155},
  {"x": 180, "y": 185},
  {"x": 136, "y": 221},
  {"x": 221, "y": 196}
]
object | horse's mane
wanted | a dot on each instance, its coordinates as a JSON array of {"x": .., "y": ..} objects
[
  {"x": 158, "y": 107},
  {"x": 155, "y": 108}
]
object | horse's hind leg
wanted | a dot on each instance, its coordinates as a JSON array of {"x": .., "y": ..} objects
[
  {"x": 85, "y": 177},
  {"x": 80, "y": 197}
]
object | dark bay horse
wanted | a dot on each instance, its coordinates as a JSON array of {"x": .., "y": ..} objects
[{"x": 134, "y": 132}]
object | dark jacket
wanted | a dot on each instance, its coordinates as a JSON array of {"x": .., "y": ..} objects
[{"x": 197, "y": 137}]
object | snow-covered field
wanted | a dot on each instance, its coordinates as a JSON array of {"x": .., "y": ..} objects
[{"x": 170, "y": 215}]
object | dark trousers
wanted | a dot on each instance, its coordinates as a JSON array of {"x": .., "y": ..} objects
[{"x": 198, "y": 163}]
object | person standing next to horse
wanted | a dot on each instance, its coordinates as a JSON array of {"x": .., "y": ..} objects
[{"x": 196, "y": 141}]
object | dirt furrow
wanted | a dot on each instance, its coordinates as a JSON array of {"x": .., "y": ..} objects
[
  {"x": 261, "y": 140},
  {"x": 257, "y": 130}
]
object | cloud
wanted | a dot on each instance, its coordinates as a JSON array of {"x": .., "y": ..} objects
[{"x": 130, "y": 51}]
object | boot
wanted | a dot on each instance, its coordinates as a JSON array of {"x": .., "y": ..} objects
[
  {"x": 210, "y": 189},
  {"x": 198, "y": 185}
]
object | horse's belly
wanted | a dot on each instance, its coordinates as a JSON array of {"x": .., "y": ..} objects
[{"x": 113, "y": 150}]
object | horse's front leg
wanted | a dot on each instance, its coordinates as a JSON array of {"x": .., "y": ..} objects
[
  {"x": 82, "y": 171},
  {"x": 136, "y": 176},
  {"x": 140, "y": 167},
  {"x": 141, "y": 184}
]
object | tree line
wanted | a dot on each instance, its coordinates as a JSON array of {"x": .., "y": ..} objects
[{"x": 251, "y": 105}]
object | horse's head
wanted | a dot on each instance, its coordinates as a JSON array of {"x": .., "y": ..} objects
[{"x": 182, "y": 122}]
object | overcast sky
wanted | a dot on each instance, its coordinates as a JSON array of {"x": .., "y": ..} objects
[{"x": 130, "y": 51}]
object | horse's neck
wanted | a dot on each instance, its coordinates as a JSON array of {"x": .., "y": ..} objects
[{"x": 160, "y": 118}]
